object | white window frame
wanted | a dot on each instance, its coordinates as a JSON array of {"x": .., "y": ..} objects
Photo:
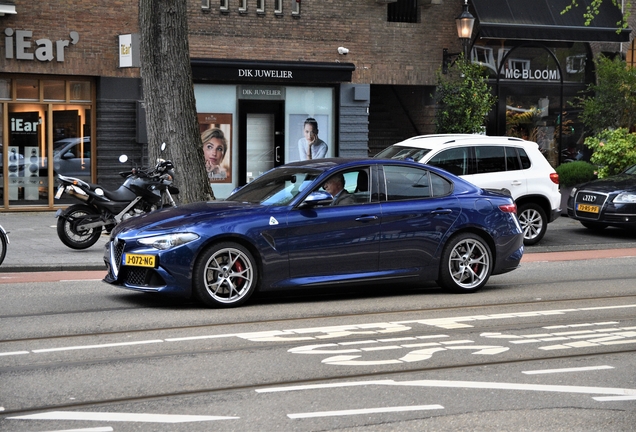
[
  {"x": 225, "y": 5},
  {"x": 278, "y": 7},
  {"x": 295, "y": 7},
  {"x": 242, "y": 6},
  {"x": 205, "y": 4},
  {"x": 260, "y": 6}
]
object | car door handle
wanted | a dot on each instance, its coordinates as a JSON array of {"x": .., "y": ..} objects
[
  {"x": 367, "y": 218},
  {"x": 441, "y": 212},
  {"x": 517, "y": 183}
]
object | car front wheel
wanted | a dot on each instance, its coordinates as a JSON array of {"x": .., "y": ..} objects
[
  {"x": 466, "y": 264},
  {"x": 225, "y": 275},
  {"x": 534, "y": 223}
]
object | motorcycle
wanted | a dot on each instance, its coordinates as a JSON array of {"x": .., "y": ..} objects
[{"x": 80, "y": 225}]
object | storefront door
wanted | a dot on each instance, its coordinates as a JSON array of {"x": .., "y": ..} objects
[{"x": 261, "y": 138}]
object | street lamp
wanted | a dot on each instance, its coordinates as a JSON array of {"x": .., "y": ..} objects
[{"x": 465, "y": 22}]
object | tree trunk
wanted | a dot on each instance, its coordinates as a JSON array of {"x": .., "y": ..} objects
[{"x": 169, "y": 95}]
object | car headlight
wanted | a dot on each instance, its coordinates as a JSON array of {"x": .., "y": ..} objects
[
  {"x": 625, "y": 198},
  {"x": 168, "y": 241},
  {"x": 573, "y": 192}
]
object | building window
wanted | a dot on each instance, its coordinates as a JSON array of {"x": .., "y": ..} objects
[
  {"x": 631, "y": 55},
  {"x": 402, "y": 11},
  {"x": 242, "y": 6},
  {"x": 205, "y": 4},
  {"x": 278, "y": 7},
  {"x": 225, "y": 5},
  {"x": 295, "y": 7},
  {"x": 260, "y": 6}
]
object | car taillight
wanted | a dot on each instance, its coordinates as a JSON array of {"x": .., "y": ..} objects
[
  {"x": 508, "y": 208},
  {"x": 555, "y": 178}
]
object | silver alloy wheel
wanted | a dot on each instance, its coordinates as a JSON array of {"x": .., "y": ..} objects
[
  {"x": 531, "y": 223},
  {"x": 228, "y": 275},
  {"x": 469, "y": 263}
]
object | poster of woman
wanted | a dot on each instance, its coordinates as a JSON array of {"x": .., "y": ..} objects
[
  {"x": 216, "y": 136},
  {"x": 308, "y": 134}
]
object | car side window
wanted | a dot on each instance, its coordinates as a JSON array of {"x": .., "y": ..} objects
[
  {"x": 490, "y": 159},
  {"x": 405, "y": 183},
  {"x": 356, "y": 187},
  {"x": 455, "y": 160},
  {"x": 512, "y": 160},
  {"x": 525, "y": 160},
  {"x": 441, "y": 187}
]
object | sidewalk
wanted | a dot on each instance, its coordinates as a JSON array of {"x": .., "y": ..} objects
[{"x": 35, "y": 246}]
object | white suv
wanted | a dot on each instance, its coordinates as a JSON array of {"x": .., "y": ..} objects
[{"x": 494, "y": 162}]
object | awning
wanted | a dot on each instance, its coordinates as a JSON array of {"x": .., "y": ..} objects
[{"x": 542, "y": 20}]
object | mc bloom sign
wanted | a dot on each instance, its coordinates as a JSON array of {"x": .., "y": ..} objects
[{"x": 532, "y": 74}]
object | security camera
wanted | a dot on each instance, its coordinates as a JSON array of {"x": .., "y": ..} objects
[{"x": 343, "y": 50}]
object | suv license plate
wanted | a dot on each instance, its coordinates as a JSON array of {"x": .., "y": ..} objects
[
  {"x": 587, "y": 208},
  {"x": 140, "y": 260}
]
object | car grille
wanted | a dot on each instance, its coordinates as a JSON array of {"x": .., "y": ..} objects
[
  {"x": 588, "y": 204},
  {"x": 117, "y": 248},
  {"x": 141, "y": 277}
]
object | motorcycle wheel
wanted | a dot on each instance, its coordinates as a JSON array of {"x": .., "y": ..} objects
[{"x": 70, "y": 236}]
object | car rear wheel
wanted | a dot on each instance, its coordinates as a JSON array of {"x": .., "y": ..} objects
[
  {"x": 225, "y": 275},
  {"x": 533, "y": 221},
  {"x": 466, "y": 264}
]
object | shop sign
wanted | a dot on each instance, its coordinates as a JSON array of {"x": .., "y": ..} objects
[
  {"x": 261, "y": 92},
  {"x": 18, "y": 45},
  {"x": 529, "y": 74},
  {"x": 265, "y": 73}
]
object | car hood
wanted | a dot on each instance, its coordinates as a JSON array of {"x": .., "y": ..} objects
[
  {"x": 618, "y": 182},
  {"x": 188, "y": 214}
]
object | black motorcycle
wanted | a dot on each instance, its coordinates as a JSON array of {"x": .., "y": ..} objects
[{"x": 80, "y": 225}]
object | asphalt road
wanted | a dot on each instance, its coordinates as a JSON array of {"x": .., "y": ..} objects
[{"x": 547, "y": 347}]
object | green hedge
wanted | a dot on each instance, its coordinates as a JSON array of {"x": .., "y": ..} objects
[{"x": 573, "y": 173}]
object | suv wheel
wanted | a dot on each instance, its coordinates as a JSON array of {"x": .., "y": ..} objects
[{"x": 534, "y": 223}]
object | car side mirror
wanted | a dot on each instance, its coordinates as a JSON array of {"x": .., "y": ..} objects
[{"x": 317, "y": 198}]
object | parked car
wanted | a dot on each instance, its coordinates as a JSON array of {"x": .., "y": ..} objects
[
  {"x": 509, "y": 164},
  {"x": 605, "y": 202},
  {"x": 404, "y": 222}
]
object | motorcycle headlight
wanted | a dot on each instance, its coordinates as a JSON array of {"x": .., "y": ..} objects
[
  {"x": 625, "y": 198},
  {"x": 168, "y": 241}
]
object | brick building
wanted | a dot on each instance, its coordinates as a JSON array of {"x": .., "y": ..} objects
[{"x": 70, "y": 90}]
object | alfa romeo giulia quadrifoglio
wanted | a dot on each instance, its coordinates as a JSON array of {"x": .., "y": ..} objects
[{"x": 321, "y": 223}]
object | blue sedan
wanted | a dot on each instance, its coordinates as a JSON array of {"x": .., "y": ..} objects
[{"x": 400, "y": 221}]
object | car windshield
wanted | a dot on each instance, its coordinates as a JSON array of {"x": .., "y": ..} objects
[
  {"x": 277, "y": 187},
  {"x": 631, "y": 170},
  {"x": 402, "y": 153}
]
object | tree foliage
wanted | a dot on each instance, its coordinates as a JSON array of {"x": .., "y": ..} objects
[
  {"x": 612, "y": 100},
  {"x": 593, "y": 9},
  {"x": 463, "y": 97},
  {"x": 169, "y": 95},
  {"x": 614, "y": 150}
]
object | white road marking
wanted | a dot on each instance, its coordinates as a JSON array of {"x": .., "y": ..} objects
[
  {"x": 579, "y": 369},
  {"x": 97, "y": 429},
  {"x": 615, "y": 335},
  {"x": 364, "y": 411},
  {"x": 623, "y": 392},
  {"x": 614, "y": 398},
  {"x": 120, "y": 417}
]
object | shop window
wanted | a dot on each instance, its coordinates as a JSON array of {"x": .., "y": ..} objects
[
  {"x": 225, "y": 5},
  {"x": 402, "y": 11},
  {"x": 295, "y": 7},
  {"x": 27, "y": 89},
  {"x": 631, "y": 54},
  {"x": 54, "y": 90},
  {"x": 278, "y": 7},
  {"x": 80, "y": 91},
  {"x": 260, "y": 6},
  {"x": 242, "y": 6},
  {"x": 5, "y": 89}
]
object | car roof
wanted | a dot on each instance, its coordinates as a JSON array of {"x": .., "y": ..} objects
[{"x": 444, "y": 140}]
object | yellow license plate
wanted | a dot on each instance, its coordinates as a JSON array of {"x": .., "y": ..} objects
[
  {"x": 587, "y": 208},
  {"x": 137, "y": 260}
]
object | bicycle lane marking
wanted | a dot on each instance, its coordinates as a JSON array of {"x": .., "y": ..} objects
[{"x": 580, "y": 255}]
